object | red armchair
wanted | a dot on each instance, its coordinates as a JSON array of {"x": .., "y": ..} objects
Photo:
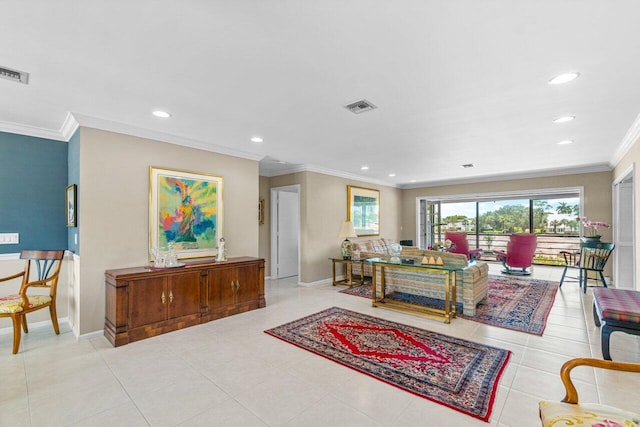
[
  {"x": 459, "y": 240},
  {"x": 519, "y": 255}
]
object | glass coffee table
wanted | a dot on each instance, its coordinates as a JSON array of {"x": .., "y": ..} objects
[{"x": 378, "y": 267}]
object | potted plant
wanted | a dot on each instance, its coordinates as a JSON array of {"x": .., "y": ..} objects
[{"x": 594, "y": 226}]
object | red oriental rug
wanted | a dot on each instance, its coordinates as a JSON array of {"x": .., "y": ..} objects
[
  {"x": 520, "y": 304},
  {"x": 457, "y": 373}
]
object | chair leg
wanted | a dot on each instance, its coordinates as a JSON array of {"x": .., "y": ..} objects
[
  {"x": 605, "y": 335},
  {"x": 54, "y": 317},
  {"x": 17, "y": 320},
  {"x": 604, "y": 283},
  {"x": 563, "y": 274},
  {"x": 25, "y": 328},
  {"x": 596, "y": 317}
]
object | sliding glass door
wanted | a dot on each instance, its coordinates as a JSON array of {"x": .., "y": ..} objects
[{"x": 488, "y": 222}]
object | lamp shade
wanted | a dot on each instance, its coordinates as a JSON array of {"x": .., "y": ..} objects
[{"x": 347, "y": 230}]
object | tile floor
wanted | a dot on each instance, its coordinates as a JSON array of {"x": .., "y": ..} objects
[{"x": 229, "y": 373}]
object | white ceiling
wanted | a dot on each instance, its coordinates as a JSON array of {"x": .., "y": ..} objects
[{"x": 455, "y": 81}]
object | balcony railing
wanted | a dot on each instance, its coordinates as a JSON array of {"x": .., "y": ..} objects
[{"x": 547, "y": 250}]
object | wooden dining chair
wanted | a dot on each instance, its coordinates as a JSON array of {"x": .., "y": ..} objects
[
  {"x": 44, "y": 266},
  {"x": 593, "y": 257}
]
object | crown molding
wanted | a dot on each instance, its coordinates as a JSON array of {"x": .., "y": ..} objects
[
  {"x": 601, "y": 167},
  {"x": 327, "y": 171},
  {"x": 632, "y": 135},
  {"x": 69, "y": 127},
  {"x": 111, "y": 126},
  {"x": 35, "y": 131}
]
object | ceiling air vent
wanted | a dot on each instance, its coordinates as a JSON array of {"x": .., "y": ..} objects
[
  {"x": 360, "y": 106},
  {"x": 14, "y": 75}
]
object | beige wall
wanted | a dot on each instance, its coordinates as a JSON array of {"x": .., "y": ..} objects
[
  {"x": 114, "y": 206},
  {"x": 323, "y": 207},
  {"x": 631, "y": 158}
]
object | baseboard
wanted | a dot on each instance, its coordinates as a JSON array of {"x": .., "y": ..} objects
[
  {"x": 317, "y": 283},
  {"x": 37, "y": 325}
]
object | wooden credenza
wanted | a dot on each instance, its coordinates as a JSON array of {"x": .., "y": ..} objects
[{"x": 142, "y": 302}]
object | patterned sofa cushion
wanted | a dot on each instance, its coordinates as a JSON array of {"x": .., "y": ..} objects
[{"x": 368, "y": 248}]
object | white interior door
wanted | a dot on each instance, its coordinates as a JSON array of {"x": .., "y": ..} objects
[
  {"x": 285, "y": 234},
  {"x": 624, "y": 233}
]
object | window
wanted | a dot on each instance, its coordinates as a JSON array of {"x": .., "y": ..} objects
[{"x": 490, "y": 219}]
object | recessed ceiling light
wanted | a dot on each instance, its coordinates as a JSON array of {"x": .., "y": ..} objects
[
  {"x": 364, "y": 168},
  {"x": 564, "y": 78},
  {"x": 413, "y": 180},
  {"x": 161, "y": 114},
  {"x": 392, "y": 175},
  {"x": 565, "y": 142},
  {"x": 256, "y": 139},
  {"x": 282, "y": 162},
  {"x": 564, "y": 119}
]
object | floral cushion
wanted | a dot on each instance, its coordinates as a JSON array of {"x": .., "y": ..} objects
[
  {"x": 13, "y": 303},
  {"x": 558, "y": 414}
]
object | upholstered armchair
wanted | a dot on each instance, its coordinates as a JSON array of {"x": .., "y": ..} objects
[
  {"x": 461, "y": 245},
  {"x": 519, "y": 254},
  {"x": 569, "y": 412}
]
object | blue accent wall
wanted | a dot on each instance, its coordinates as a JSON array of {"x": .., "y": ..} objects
[
  {"x": 73, "y": 177},
  {"x": 33, "y": 177}
]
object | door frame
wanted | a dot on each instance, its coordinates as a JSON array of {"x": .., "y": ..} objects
[
  {"x": 295, "y": 188},
  {"x": 628, "y": 173}
]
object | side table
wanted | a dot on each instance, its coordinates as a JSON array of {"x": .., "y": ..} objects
[{"x": 348, "y": 264}]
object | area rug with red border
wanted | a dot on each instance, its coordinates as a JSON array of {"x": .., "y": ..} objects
[
  {"x": 518, "y": 303},
  {"x": 457, "y": 373}
]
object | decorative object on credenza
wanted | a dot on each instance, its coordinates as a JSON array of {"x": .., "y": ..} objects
[
  {"x": 165, "y": 257},
  {"x": 346, "y": 231},
  {"x": 363, "y": 210},
  {"x": 261, "y": 211},
  {"x": 186, "y": 208},
  {"x": 222, "y": 250},
  {"x": 70, "y": 203}
]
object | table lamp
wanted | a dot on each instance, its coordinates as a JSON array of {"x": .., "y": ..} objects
[{"x": 346, "y": 231}]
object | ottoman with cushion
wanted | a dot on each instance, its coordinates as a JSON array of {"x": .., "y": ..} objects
[{"x": 615, "y": 310}]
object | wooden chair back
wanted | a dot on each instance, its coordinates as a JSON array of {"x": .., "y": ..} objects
[{"x": 594, "y": 256}]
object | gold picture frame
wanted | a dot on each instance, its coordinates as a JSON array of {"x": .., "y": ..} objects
[
  {"x": 185, "y": 208},
  {"x": 70, "y": 198},
  {"x": 363, "y": 209}
]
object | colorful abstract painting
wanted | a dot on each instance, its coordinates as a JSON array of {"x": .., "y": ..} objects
[{"x": 186, "y": 209}]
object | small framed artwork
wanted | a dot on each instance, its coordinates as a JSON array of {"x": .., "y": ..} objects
[
  {"x": 185, "y": 208},
  {"x": 363, "y": 209},
  {"x": 261, "y": 211},
  {"x": 70, "y": 203}
]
